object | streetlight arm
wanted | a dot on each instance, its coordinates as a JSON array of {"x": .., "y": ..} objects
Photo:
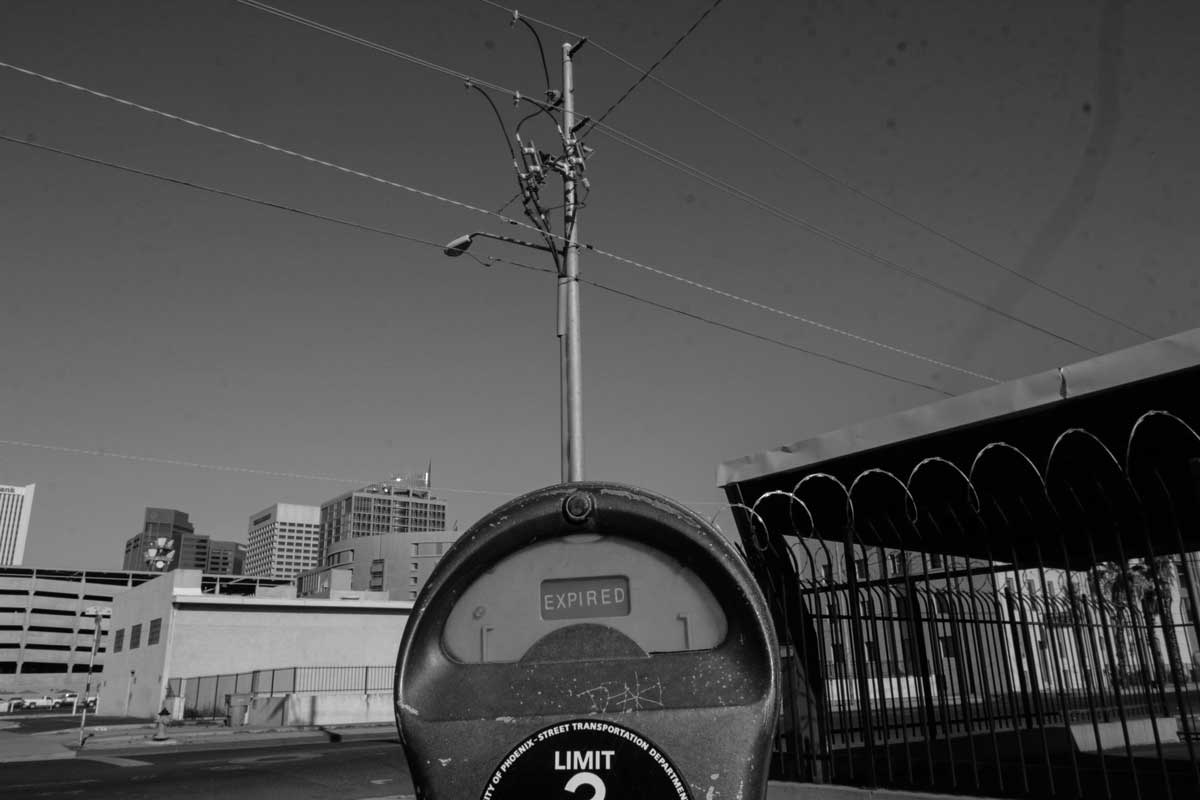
[{"x": 458, "y": 246}]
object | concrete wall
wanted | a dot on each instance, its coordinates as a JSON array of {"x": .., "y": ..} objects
[
  {"x": 133, "y": 679},
  {"x": 220, "y": 639},
  {"x": 321, "y": 709}
]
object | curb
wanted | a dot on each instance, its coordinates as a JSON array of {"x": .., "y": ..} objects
[
  {"x": 36, "y": 757},
  {"x": 246, "y": 737},
  {"x": 98, "y": 729}
]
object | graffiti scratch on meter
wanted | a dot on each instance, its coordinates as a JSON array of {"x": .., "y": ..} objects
[{"x": 621, "y": 696}]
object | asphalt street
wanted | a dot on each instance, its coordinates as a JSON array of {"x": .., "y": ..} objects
[{"x": 324, "y": 771}]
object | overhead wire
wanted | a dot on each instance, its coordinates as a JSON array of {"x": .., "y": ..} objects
[
  {"x": 761, "y": 337},
  {"x": 825, "y": 233},
  {"x": 175, "y": 462},
  {"x": 489, "y": 261},
  {"x": 693, "y": 171},
  {"x": 647, "y": 72},
  {"x": 460, "y": 204},
  {"x": 227, "y": 468},
  {"x": 834, "y": 178}
]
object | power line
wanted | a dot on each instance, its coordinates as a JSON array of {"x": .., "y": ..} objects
[
  {"x": 836, "y": 179},
  {"x": 479, "y": 210},
  {"x": 680, "y": 165},
  {"x": 646, "y": 73},
  {"x": 825, "y": 233},
  {"x": 761, "y": 337},
  {"x": 175, "y": 462},
  {"x": 483, "y": 261},
  {"x": 417, "y": 240}
]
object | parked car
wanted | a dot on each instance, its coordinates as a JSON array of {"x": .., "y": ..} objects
[
  {"x": 62, "y": 699},
  {"x": 45, "y": 701},
  {"x": 12, "y": 704}
]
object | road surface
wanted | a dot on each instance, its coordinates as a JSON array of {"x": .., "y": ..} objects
[{"x": 323, "y": 771}]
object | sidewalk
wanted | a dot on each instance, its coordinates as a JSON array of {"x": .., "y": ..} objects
[
  {"x": 49, "y": 745},
  {"x": 24, "y": 747}
]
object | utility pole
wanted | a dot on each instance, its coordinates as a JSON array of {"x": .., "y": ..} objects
[
  {"x": 96, "y": 613},
  {"x": 532, "y": 167},
  {"x": 568, "y": 279}
]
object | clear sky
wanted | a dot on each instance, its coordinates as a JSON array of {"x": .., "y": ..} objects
[{"x": 143, "y": 318}]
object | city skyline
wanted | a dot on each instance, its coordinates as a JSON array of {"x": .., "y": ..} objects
[{"x": 157, "y": 321}]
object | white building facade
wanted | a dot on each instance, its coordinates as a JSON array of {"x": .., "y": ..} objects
[
  {"x": 16, "y": 502},
  {"x": 283, "y": 541}
]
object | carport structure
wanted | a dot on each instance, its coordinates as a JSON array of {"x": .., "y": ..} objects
[{"x": 995, "y": 594}]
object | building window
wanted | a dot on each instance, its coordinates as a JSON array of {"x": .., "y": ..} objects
[
  {"x": 827, "y": 572},
  {"x": 872, "y": 650},
  {"x": 119, "y": 641},
  {"x": 412, "y": 580},
  {"x": 941, "y": 602},
  {"x": 860, "y": 568},
  {"x": 839, "y": 654},
  {"x": 135, "y": 637},
  {"x": 154, "y": 632},
  {"x": 935, "y": 561},
  {"x": 949, "y": 647}
]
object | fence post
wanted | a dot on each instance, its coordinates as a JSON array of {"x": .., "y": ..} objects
[
  {"x": 366, "y": 679},
  {"x": 860, "y": 657}
]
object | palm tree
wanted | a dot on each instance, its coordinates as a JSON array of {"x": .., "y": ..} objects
[{"x": 1134, "y": 590}]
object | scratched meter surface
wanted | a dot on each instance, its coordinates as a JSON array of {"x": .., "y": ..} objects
[{"x": 588, "y": 640}]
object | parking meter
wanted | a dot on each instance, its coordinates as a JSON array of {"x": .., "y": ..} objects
[{"x": 589, "y": 641}]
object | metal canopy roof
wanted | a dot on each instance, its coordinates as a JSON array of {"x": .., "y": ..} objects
[
  {"x": 1040, "y": 392},
  {"x": 1095, "y": 461}
]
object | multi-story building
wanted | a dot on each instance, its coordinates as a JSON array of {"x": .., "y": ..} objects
[
  {"x": 15, "y": 505},
  {"x": 45, "y": 634},
  {"x": 395, "y": 506},
  {"x": 191, "y": 548},
  {"x": 396, "y": 563},
  {"x": 283, "y": 540},
  {"x": 226, "y": 558}
]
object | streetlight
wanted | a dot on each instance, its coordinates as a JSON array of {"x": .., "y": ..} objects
[
  {"x": 460, "y": 245},
  {"x": 96, "y": 613}
]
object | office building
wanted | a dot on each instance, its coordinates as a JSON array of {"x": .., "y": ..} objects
[
  {"x": 394, "y": 506},
  {"x": 396, "y": 563},
  {"x": 283, "y": 540},
  {"x": 16, "y": 502},
  {"x": 226, "y": 558},
  {"x": 190, "y": 548}
]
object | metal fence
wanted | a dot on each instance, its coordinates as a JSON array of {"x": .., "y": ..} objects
[
  {"x": 998, "y": 630},
  {"x": 207, "y": 696}
]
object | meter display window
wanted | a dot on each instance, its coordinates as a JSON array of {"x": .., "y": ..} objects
[{"x": 653, "y": 599}]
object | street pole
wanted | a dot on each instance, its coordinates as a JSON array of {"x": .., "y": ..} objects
[
  {"x": 87, "y": 692},
  {"x": 568, "y": 281}
]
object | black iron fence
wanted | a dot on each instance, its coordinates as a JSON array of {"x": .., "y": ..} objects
[
  {"x": 997, "y": 630},
  {"x": 207, "y": 696}
]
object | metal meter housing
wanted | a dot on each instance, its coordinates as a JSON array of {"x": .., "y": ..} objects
[{"x": 588, "y": 610}]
